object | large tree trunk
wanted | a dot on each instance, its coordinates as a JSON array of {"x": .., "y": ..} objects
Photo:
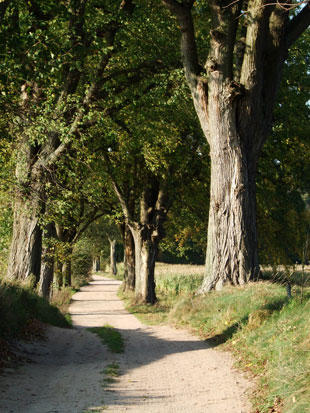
[
  {"x": 234, "y": 93},
  {"x": 26, "y": 246},
  {"x": 154, "y": 205},
  {"x": 147, "y": 231},
  {"x": 232, "y": 241},
  {"x": 146, "y": 251},
  {"x": 47, "y": 265},
  {"x": 129, "y": 260},
  {"x": 113, "y": 268}
]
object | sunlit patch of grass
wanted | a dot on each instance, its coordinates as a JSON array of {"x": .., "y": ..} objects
[
  {"x": 112, "y": 370},
  {"x": 111, "y": 337},
  {"x": 62, "y": 299},
  {"x": 146, "y": 313},
  {"x": 98, "y": 409},
  {"x": 164, "y": 270}
]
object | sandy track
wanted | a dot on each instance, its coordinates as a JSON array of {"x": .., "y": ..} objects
[{"x": 162, "y": 369}]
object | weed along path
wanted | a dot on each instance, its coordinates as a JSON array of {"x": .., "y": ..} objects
[{"x": 162, "y": 370}]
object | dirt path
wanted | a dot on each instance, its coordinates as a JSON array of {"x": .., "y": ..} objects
[{"x": 162, "y": 369}]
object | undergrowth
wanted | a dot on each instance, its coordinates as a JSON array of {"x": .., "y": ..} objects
[
  {"x": 19, "y": 305},
  {"x": 268, "y": 333},
  {"x": 62, "y": 298}
]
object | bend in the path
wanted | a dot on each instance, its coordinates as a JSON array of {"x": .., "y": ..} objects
[{"x": 162, "y": 369}]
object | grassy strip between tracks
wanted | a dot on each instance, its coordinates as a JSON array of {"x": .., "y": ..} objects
[{"x": 111, "y": 337}]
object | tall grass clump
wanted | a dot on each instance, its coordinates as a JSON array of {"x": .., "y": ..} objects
[{"x": 175, "y": 279}]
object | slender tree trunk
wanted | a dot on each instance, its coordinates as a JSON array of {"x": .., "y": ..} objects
[
  {"x": 146, "y": 251},
  {"x": 58, "y": 277},
  {"x": 113, "y": 267},
  {"x": 47, "y": 265},
  {"x": 96, "y": 264},
  {"x": 66, "y": 272},
  {"x": 129, "y": 260}
]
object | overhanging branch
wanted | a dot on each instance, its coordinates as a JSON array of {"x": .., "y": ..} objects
[
  {"x": 118, "y": 190},
  {"x": 188, "y": 42},
  {"x": 298, "y": 25}
]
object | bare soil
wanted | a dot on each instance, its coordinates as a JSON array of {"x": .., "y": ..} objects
[{"x": 161, "y": 370}]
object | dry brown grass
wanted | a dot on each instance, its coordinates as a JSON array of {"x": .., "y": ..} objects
[
  {"x": 162, "y": 269},
  {"x": 283, "y": 268},
  {"x": 62, "y": 298}
]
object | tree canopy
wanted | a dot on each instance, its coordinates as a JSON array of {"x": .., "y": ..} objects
[{"x": 104, "y": 118}]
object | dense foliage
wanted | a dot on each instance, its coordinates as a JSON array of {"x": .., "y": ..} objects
[{"x": 94, "y": 94}]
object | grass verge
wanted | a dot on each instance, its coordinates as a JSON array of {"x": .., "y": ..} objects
[
  {"x": 110, "y": 337},
  {"x": 19, "y": 305},
  {"x": 268, "y": 333},
  {"x": 62, "y": 299},
  {"x": 22, "y": 313}
]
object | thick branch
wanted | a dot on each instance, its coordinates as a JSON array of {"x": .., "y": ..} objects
[
  {"x": 3, "y": 7},
  {"x": 53, "y": 156},
  {"x": 153, "y": 66},
  {"x": 298, "y": 25},
  {"x": 118, "y": 191},
  {"x": 86, "y": 225},
  {"x": 188, "y": 42}
]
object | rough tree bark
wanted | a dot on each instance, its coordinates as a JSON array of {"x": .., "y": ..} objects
[
  {"x": 147, "y": 231},
  {"x": 234, "y": 93},
  {"x": 26, "y": 246},
  {"x": 146, "y": 251}
]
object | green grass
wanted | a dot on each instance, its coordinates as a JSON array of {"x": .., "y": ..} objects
[
  {"x": 268, "y": 333},
  {"x": 62, "y": 299},
  {"x": 112, "y": 370},
  {"x": 19, "y": 305},
  {"x": 107, "y": 273},
  {"x": 111, "y": 337},
  {"x": 98, "y": 409}
]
